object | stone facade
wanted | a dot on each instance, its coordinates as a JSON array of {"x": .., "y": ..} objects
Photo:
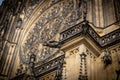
[{"x": 60, "y": 40}]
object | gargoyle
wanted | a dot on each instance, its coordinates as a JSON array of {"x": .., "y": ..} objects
[{"x": 52, "y": 44}]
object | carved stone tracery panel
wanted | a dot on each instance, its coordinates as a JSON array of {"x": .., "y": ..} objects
[{"x": 54, "y": 17}]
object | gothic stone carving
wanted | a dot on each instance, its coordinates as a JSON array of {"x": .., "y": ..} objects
[
  {"x": 52, "y": 20},
  {"x": 54, "y": 64},
  {"x": 103, "y": 41}
]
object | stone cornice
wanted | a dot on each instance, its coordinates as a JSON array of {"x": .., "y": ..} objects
[
  {"x": 49, "y": 66},
  {"x": 86, "y": 30}
]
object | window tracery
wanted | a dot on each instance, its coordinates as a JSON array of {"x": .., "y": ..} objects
[{"x": 48, "y": 25}]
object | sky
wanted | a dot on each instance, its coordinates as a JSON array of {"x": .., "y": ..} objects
[{"x": 1, "y": 2}]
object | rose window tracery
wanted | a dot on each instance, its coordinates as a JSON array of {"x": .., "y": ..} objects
[{"x": 56, "y": 17}]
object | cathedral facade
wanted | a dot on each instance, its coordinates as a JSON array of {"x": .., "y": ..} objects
[{"x": 60, "y": 40}]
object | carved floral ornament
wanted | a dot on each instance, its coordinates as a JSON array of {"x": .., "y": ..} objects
[{"x": 56, "y": 18}]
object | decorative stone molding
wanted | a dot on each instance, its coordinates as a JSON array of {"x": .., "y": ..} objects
[
  {"x": 115, "y": 49},
  {"x": 75, "y": 51},
  {"x": 54, "y": 64},
  {"x": 106, "y": 40},
  {"x": 92, "y": 55}
]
